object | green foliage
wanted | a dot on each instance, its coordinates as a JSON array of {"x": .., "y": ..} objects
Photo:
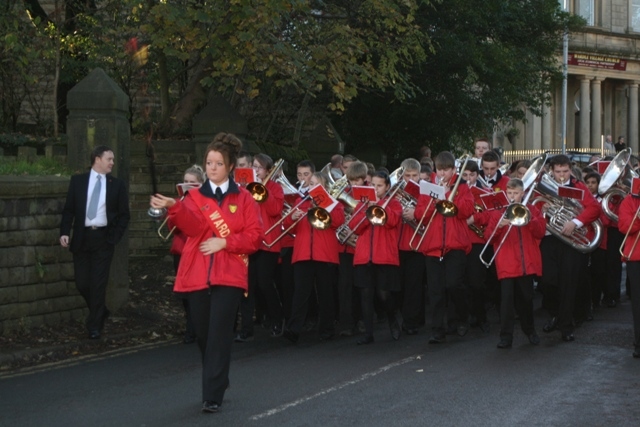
[{"x": 41, "y": 166}]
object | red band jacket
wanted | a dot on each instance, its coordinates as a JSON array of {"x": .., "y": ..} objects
[
  {"x": 377, "y": 244},
  {"x": 626, "y": 215}
]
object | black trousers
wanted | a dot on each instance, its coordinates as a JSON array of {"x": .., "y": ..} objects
[
  {"x": 516, "y": 297},
  {"x": 91, "y": 266},
  {"x": 213, "y": 312},
  {"x": 477, "y": 278},
  {"x": 614, "y": 263},
  {"x": 412, "y": 268},
  {"x": 348, "y": 295},
  {"x": 307, "y": 275},
  {"x": 562, "y": 270},
  {"x": 189, "y": 331},
  {"x": 633, "y": 271},
  {"x": 285, "y": 282},
  {"x": 598, "y": 280},
  {"x": 262, "y": 274},
  {"x": 446, "y": 277}
]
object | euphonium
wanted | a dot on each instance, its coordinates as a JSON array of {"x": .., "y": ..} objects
[
  {"x": 616, "y": 182},
  {"x": 259, "y": 190},
  {"x": 560, "y": 210},
  {"x": 337, "y": 190}
]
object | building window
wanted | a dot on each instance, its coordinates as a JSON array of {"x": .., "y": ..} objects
[
  {"x": 586, "y": 9},
  {"x": 635, "y": 15}
]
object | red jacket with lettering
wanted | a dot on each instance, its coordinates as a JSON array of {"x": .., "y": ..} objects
[
  {"x": 312, "y": 244},
  {"x": 520, "y": 254},
  {"x": 626, "y": 214},
  {"x": 446, "y": 233},
  {"x": 271, "y": 212},
  {"x": 242, "y": 230},
  {"x": 378, "y": 244}
]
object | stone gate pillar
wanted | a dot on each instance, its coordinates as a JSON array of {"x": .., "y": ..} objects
[{"x": 98, "y": 115}]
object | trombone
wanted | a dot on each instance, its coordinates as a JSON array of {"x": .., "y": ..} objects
[
  {"x": 517, "y": 213},
  {"x": 319, "y": 218},
  {"x": 445, "y": 208},
  {"x": 185, "y": 188},
  {"x": 259, "y": 190},
  {"x": 626, "y": 236}
]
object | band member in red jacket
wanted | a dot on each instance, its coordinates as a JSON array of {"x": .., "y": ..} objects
[
  {"x": 222, "y": 224},
  {"x": 629, "y": 222},
  {"x": 192, "y": 176},
  {"x": 376, "y": 259},
  {"x": 562, "y": 264},
  {"x": 263, "y": 264},
  {"x": 315, "y": 264},
  {"x": 517, "y": 261},
  {"x": 446, "y": 245}
]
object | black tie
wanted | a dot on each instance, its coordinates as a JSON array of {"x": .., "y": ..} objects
[
  {"x": 492, "y": 181},
  {"x": 219, "y": 195}
]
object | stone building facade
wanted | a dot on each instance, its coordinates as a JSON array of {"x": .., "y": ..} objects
[{"x": 602, "y": 87}]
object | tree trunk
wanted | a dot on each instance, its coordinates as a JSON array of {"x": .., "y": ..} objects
[{"x": 183, "y": 111}]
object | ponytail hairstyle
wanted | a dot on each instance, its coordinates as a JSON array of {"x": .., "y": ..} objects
[
  {"x": 226, "y": 144},
  {"x": 196, "y": 171}
]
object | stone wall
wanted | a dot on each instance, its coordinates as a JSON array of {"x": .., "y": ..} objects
[{"x": 36, "y": 273}]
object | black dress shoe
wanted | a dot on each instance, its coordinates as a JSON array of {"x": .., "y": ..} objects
[
  {"x": 438, "y": 339},
  {"x": 504, "y": 343},
  {"x": 551, "y": 325},
  {"x": 534, "y": 339},
  {"x": 94, "y": 335},
  {"x": 568, "y": 337},
  {"x": 290, "y": 335},
  {"x": 326, "y": 336},
  {"x": 409, "y": 331},
  {"x": 612, "y": 303},
  {"x": 636, "y": 354},
  {"x": 485, "y": 327},
  {"x": 395, "y": 330},
  {"x": 367, "y": 339},
  {"x": 209, "y": 406},
  {"x": 462, "y": 329}
]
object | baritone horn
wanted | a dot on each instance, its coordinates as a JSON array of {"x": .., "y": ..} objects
[
  {"x": 259, "y": 190},
  {"x": 182, "y": 189},
  {"x": 616, "y": 182}
]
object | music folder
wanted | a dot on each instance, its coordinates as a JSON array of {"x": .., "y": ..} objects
[
  {"x": 183, "y": 187},
  {"x": 492, "y": 201},
  {"x": 433, "y": 190},
  {"x": 244, "y": 176},
  {"x": 570, "y": 192},
  {"x": 322, "y": 198},
  {"x": 363, "y": 193}
]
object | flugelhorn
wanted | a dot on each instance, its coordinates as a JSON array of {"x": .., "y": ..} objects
[
  {"x": 518, "y": 214},
  {"x": 184, "y": 187},
  {"x": 444, "y": 207},
  {"x": 615, "y": 183},
  {"x": 259, "y": 190}
]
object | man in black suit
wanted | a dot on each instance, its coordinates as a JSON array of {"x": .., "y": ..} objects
[{"x": 98, "y": 207}]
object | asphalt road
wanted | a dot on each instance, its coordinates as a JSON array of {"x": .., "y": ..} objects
[{"x": 593, "y": 381}]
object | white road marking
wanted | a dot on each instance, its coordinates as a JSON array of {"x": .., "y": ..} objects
[{"x": 326, "y": 391}]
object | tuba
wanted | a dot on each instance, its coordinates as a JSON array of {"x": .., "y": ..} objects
[
  {"x": 616, "y": 183},
  {"x": 560, "y": 211}
]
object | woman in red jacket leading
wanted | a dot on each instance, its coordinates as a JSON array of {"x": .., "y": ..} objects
[
  {"x": 629, "y": 222},
  {"x": 377, "y": 261},
  {"x": 222, "y": 224},
  {"x": 315, "y": 263},
  {"x": 518, "y": 261}
]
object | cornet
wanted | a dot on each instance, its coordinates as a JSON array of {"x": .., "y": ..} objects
[{"x": 185, "y": 188}]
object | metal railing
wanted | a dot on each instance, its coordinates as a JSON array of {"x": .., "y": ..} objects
[{"x": 516, "y": 155}]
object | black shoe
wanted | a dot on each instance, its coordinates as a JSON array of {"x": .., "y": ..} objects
[
  {"x": 462, "y": 329},
  {"x": 395, "y": 330},
  {"x": 452, "y": 329},
  {"x": 367, "y": 339},
  {"x": 210, "y": 406},
  {"x": 568, "y": 337},
  {"x": 326, "y": 336},
  {"x": 290, "y": 335},
  {"x": 244, "y": 337},
  {"x": 438, "y": 339},
  {"x": 348, "y": 332},
  {"x": 612, "y": 303},
  {"x": 534, "y": 339},
  {"x": 276, "y": 329},
  {"x": 485, "y": 327},
  {"x": 636, "y": 354},
  {"x": 409, "y": 331},
  {"x": 504, "y": 343},
  {"x": 551, "y": 325},
  {"x": 94, "y": 335}
]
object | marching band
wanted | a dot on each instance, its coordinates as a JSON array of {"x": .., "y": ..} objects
[{"x": 476, "y": 236}]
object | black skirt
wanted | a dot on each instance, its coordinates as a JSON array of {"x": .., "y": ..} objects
[{"x": 383, "y": 277}]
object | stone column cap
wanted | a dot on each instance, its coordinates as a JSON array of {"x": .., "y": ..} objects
[{"x": 97, "y": 92}]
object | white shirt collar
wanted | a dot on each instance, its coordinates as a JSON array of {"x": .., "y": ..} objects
[
  {"x": 224, "y": 187},
  {"x": 93, "y": 174}
]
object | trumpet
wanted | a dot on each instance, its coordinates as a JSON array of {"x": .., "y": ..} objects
[
  {"x": 445, "y": 208},
  {"x": 185, "y": 188},
  {"x": 626, "y": 257},
  {"x": 517, "y": 213},
  {"x": 259, "y": 190}
]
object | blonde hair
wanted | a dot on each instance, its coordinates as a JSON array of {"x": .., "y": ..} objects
[{"x": 196, "y": 171}]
